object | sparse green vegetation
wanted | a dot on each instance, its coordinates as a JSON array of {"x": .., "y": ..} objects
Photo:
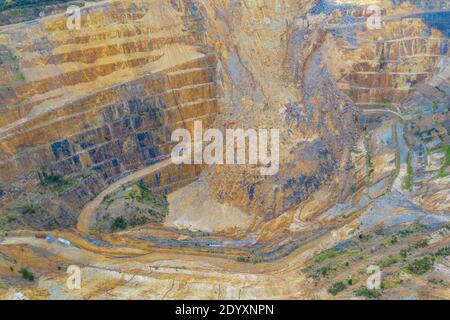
[
  {"x": 119, "y": 224},
  {"x": 249, "y": 259},
  {"x": 19, "y": 77},
  {"x": 26, "y": 274},
  {"x": 446, "y": 163},
  {"x": 327, "y": 254},
  {"x": 420, "y": 266},
  {"x": 411, "y": 230},
  {"x": 337, "y": 287},
  {"x": 386, "y": 101},
  {"x": 369, "y": 160},
  {"x": 420, "y": 244},
  {"x": 443, "y": 252},
  {"x": 56, "y": 183},
  {"x": 323, "y": 272},
  {"x": 158, "y": 204},
  {"x": 332, "y": 260},
  {"x": 368, "y": 293},
  {"x": 136, "y": 221},
  {"x": 364, "y": 237},
  {"x": 408, "y": 182},
  {"x": 13, "y": 4},
  {"x": 417, "y": 245},
  {"x": 387, "y": 262},
  {"x": 404, "y": 253},
  {"x": 243, "y": 259},
  {"x": 141, "y": 205},
  {"x": 391, "y": 240},
  {"x": 407, "y": 251},
  {"x": 30, "y": 209},
  {"x": 439, "y": 282},
  {"x": 390, "y": 282},
  {"x": 132, "y": 193}
]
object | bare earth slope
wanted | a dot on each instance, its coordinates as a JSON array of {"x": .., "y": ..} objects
[{"x": 363, "y": 114}]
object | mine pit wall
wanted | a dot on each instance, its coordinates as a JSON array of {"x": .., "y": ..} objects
[
  {"x": 383, "y": 72},
  {"x": 98, "y": 138},
  {"x": 16, "y": 95},
  {"x": 129, "y": 130},
  {"x": 47, "y": 56},
  {"x": 90, "y": 131},
  {"x": 172, "y": 178}
]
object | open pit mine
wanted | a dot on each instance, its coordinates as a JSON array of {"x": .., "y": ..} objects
[{"x": 92, "y": 205}]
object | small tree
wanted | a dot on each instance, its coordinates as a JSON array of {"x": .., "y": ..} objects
[
  {"x": 119, "y": 224},
  {"x": 26, "y": 274}
]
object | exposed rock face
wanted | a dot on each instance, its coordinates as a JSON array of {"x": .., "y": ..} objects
[
  {"x": 364, "y": 152},
  {"x": 378, "y": 68},
  {"x": 310, "y": 80},
  {"x": 275, "y": 77},
  {"x": 90, "y": 105}
]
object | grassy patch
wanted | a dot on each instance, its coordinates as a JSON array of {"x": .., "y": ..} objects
[
  {"x": 387, "y": 262},
  {"x": 327, "y": 254},
  {"x": 391, "y": 240},
  {"x": 391, "y": 282}
]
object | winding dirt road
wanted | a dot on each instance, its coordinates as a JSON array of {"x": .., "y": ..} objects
[{"x": 85, "y": 217}]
